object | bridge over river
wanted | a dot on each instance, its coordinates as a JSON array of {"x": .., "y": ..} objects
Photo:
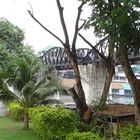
[
  {"x": 55, "y": 57},
  {"x": 92, "y": 71}
]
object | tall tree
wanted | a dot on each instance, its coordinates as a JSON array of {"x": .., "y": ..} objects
[
  {"x": 70, "y": 49},
  {"x": 11, "y": 44},
  {"x": 11, "y": 36},
  {"x": 121, "y": 21}
]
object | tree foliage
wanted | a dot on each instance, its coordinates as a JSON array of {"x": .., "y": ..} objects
[
  {"x": 119, "y": 19},
  {"x": 21, "y": 70},
  {"x": 11, "y": 36}
]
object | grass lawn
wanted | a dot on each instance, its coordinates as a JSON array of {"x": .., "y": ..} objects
[{"x": 11, "y": 130}]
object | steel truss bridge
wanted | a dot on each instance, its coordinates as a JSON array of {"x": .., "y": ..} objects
[{"x": 55, "y": 57}]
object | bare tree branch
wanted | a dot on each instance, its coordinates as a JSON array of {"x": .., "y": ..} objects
[
  {"x": 45, "y": 27},
  {"x": 95, "y": 47},
  {"x": 78, "y": 95},
  {"x": 60, "y": 8},
  {"x": 76, "y": 26},
  {"x": 82, "y": 25},
  {"x": 32, "y": 11}
]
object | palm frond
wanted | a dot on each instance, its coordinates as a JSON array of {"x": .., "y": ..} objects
[
  {"x": 6, "y": 94},
  {"x": 35, "y": 69},
  {"x": 27, "y": 89},
  {"x": 42, "y": 82}
]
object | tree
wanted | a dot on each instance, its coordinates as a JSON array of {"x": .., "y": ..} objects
[
  {"x": 11, "y": 44},
  {"x": 19, "y": 68},
  {"x": 11, "y": 36},
  {"x": 121, "y": 21},
  {"x": 28, "y": 89},
  {"x": 78, "y": 92}
]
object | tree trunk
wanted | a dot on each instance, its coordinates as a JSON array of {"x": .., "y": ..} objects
[
  {"x": 133, "y": 81},
  {"x": 110, "y": 71},
  {"x": 26, "y": 119},
  {"x": 78, "y": 94},
  {"x": 83, "y": 110}
]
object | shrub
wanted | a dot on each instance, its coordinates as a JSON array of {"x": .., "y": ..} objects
[
  {"x": 130, "y": 133},
  {"x": 100, "y": 125},
  {"x": 53, "y": 123},
  {"x": 83, "y": 136},
  {"x": 16, "y": 111}
]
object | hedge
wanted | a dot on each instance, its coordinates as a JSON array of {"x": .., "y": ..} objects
[
  {"x": 83, "y": 136},
  {"x": 53, "y": 123},
  {"x": 130, "y": 133},
  {"x": 16, "y": 111}
]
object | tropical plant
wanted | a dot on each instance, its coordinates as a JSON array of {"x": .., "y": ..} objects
[{"x": 28, "y": 88}]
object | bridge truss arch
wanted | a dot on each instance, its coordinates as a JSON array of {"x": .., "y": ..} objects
[{"x": 56, "y": 57}]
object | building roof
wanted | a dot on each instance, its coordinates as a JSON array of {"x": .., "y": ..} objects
[
  {"x": 68, "y": 83},
  {"x": 118, "y": 110},
  {"x": 117, "y": 85},
  {"x": 120, "y": 85}
]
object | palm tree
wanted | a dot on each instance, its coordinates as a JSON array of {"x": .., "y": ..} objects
[{"x": 30, "y": 90}]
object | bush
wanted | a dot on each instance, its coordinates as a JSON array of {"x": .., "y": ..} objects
[
  {"x": 83, "y": 136},
  {"x": 130, "y": 133},
  {"x": 16, "y": 111},
  {"x": 53, "y": 123}
]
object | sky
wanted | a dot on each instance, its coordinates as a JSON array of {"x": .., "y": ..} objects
[{"x": 45, "y": 11}]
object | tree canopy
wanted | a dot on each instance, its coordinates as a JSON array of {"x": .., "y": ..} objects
[
  {"x": 20, "y": 69},
  {"x": 11, "y": 36},
  {"x": 119, "y": 19}
]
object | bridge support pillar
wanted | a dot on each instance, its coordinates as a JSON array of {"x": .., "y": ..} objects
[{"x": 93, "y": 77}]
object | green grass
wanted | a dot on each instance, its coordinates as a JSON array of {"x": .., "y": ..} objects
[{"x": 11, "y": 130}]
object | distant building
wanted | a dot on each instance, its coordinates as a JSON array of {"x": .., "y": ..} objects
[
  {"x": 69, "y": 74},
  {"x": 120, "y": 85}
]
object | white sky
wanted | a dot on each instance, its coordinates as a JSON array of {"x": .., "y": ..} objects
[{"x": 46, "y": 11}]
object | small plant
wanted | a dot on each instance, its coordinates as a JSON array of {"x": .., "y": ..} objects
[
  {"x": 96, "y": 105},
  {"x": 99, "y": 125},
  {"x": 83, "y": 136},
  {"x": 130, "y": 133},
  {"x": 16, "y": 111},
  {"x": 83, "y": 127}
]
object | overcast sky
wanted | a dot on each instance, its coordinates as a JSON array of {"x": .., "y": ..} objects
[{"x": 46, "y": 11}]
